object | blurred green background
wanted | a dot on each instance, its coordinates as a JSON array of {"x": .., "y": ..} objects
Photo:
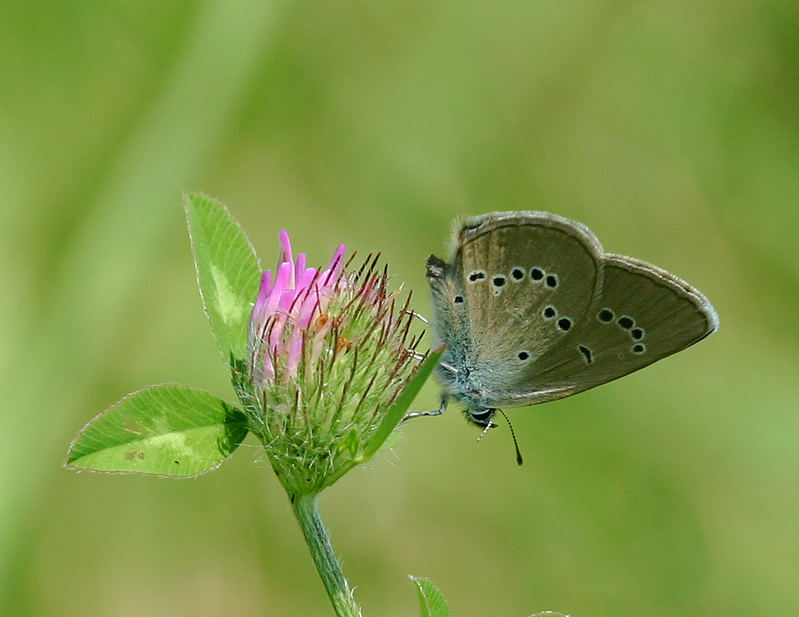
[{"x": 670, "y": 128}]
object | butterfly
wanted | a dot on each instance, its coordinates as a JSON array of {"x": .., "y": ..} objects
[{"x": 531, "y": 309}]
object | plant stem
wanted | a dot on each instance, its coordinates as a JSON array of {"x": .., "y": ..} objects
[{"x": 307, "y": 513}]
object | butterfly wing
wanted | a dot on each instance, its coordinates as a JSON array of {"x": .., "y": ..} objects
[
  {"x": 642, "y": 314},
  {"x": 498, "y": 294}
]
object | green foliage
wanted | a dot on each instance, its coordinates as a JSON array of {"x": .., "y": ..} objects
[
  {"x": 174, "y": 430},
  {"x": 227, "y": 272},
  {"x": 167, "y": 430},
  {"x": 431, "y": 601}
]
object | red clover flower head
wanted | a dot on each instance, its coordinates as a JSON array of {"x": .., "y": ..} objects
[{"x": 330, "y": 351}]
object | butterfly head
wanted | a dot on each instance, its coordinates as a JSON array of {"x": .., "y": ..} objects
[{"x": 481, "y": 416}]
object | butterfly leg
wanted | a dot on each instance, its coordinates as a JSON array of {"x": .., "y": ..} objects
[
  {"x": 433, "y": 412},
  {"x": 421, "y": 356},
  {"x": 418, "y": 316}
]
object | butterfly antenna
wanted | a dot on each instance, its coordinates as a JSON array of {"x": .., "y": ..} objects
[{"x": 519, "y": 459}]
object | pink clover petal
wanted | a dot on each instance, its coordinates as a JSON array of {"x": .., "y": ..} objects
[
  {"x": 319, "y": 340},
  {"x": 269, "y": 367},
  {"x": 287, "y": 299},
  {"x": 326, "y": 279},
  {"x": 266, "y": 288},
  {"x": 338, "y": 255},
  {"x": 281, "y": 284},
  {"x": 295, "y": 352},
  {"x": 307, "y": 309},
  {"x": 258, "y": 311},
  {"x": 276, "y": 333},
  {"x": 302, "y": 300},
  {"x": 337, "y": 263},
  {"x": 306, "y": 278},
  {"x": 285, "y": 246},
  {"x": 312, "y": 304},
  {"x": 331, "y": 273},
  {"x": 285, "y": 251},
  {"x": 290, "y": 306}
]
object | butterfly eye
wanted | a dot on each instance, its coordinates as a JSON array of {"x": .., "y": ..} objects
[
  {"x": 524, "y": 355},
  {"x": 637, "y": 334},
  {"x": 517, "y": 274},
  {"x": 475, "y": 276},
  {"x": 458, "y": 299},
  {"x": 552, "y": 280},
  {"x": 605, "y": 315},
  {"x": 536, "y": 273},
  {"x": 564, "y": 323},
  {"x": 626, "y": 322},
  {"x": 639, "y": 348}
]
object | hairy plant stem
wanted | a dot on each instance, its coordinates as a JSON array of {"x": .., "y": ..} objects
[{"x": 307, "y": 513}]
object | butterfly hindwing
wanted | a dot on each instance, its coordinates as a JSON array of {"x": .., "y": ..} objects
[{"x": 642, "y": 314}]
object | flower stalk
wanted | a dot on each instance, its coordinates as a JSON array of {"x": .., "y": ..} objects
[{"x": 327, "y": 565}]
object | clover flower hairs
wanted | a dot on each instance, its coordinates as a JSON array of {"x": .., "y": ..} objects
[
  {"x": 329, "y": 352},
  {"x": 323, "y": 362}
]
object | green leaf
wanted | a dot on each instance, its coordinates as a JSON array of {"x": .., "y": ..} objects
[
  {"x": 400, "y": 406},
  {"x": 228, "y": 272},
  {"x": 431, "y": 602},
  {"x": 167, "y": 430}
]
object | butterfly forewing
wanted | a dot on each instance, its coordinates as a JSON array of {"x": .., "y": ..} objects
[{"x": 526, "y": 278}]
